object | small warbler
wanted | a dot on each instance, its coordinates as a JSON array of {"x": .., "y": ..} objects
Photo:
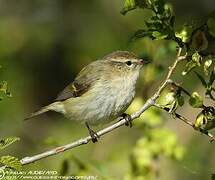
[{"x": 101, "y": 92}]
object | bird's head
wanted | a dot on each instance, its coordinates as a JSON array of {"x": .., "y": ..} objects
[{"x": 125, "y": 61}]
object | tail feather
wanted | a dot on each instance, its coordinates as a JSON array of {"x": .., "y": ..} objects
[{"x": 56, "y": 106}]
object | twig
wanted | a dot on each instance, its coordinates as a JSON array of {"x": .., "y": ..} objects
[
  {"x": 185, "y": 120},
  {"x": 150, "y": 102}
]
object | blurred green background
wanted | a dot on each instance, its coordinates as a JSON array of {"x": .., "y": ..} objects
[{"x": 45, "y": 43}]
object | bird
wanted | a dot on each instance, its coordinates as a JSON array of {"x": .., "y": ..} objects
[{"x": 101, "y": 92}]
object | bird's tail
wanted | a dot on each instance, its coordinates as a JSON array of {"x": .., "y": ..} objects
[{"x": 56, "y": 106}]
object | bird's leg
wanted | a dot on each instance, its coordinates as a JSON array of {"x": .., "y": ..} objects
[
  {"x": 127, "y": 118},
  {"x": 92, "y": 133}
]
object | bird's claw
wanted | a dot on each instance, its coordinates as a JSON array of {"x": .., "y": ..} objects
[
  {"x": 127, "y": 118},
  {"x": 93, "y": 134}
]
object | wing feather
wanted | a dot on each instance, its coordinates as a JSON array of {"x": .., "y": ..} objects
[{"x": 82, "y": 83}]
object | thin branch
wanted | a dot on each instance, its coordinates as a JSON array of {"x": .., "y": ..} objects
[
  {"x": 185, "y": 120},
  {"x": 150, "y": 102}
]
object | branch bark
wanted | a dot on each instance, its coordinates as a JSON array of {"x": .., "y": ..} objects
[
  {"x": 185, "y": 120},
  {"x": 150, "y": 102}
]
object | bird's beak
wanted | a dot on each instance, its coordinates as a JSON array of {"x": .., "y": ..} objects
[{"x": 143, "y": 62}]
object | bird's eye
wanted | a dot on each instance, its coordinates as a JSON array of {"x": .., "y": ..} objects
[{"x": 128, "y": 63}]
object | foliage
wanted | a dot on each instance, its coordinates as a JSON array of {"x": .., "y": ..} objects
[
  {"x": 148, "y": 150},
  {"x": 196, "y": 100},
  {"x": 195, "y": 61},
  {"x": 208, "y": 85},
  {"x": 172, "y": 100},
  {"x": 197, "y": 41},
  {"x": 205, "y": 119},
  {"x": 9, "y": 161},
  {"x": 211, "y": 24},
  {"x": 4, "y": 90},
  {"x": 160, "y": 25},
  {"x": 7, "y": 142},
  {"x": 156, "y": 142}
]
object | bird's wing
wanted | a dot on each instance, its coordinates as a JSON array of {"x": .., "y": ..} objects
[
  {"x": 72, "y": 90},
  {"x": 82, "y": 83}
]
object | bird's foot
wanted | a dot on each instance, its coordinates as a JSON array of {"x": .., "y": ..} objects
[
  {"x": 127, "y": 118},
  {"x": 92, "y": 133}
]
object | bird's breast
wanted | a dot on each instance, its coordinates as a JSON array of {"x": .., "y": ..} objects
[
  {"x": 104, "y": 102},
  {"x": 124, "y": 90}
]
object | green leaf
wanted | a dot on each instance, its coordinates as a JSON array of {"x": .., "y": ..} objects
[
  {"x": 169, "y": 98},
  {"x": 196, "y": 100},
  {"x": 4, "y": 88},
  {"x": 172, "y": 21},
  {"x": 180, "y": 100},
  {"x": 133, "y": 4},
  {"x": 140, "y": 34},
  {"x": 210, "y": 124},
  {"x": 161, "y": 7},
  {"x": 207, "y": 65},
  {"x": 160, "y": 25},
  {"x": 210, "y": 118},
  {"x": 158, "y": 35},
  {"x": 196, "y": 58},
  {"x": 172, "y": 100},
  {"x": 11, "y": 162},
  {"x": 212, "y": 78},
  {"x": 188, "y": 67},
  {"x": 183, "y": 35},
  {"x": 204, "y": 83},
  {"x": 8, "y": 141},
  {"x": 128, "y": 6},
  {"x": 200, "y": 120},
  {"x": 205, "y": 119},
  {"x": 211, "y": 26},
  {"x": 154, "y": 25},
  {"x": 195, "y": 61}
]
